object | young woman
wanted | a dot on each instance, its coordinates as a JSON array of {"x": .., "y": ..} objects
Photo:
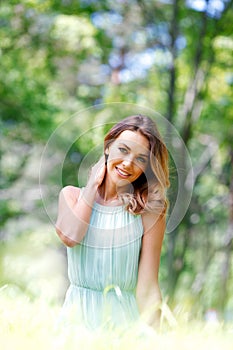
[{"x": 114, "y": 228}]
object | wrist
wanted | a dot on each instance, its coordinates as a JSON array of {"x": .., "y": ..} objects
[
  {"x": 91, "y": 187},
  {"x": 89, "y": 194}
]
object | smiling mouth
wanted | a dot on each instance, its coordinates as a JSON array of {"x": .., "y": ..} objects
[{"x": 122, "y": 173}]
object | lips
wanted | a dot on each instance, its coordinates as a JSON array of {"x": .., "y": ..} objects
[{"x": 122, "y": 173}]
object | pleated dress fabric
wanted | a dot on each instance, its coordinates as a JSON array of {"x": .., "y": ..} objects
[{"x": 103, "y": 271}]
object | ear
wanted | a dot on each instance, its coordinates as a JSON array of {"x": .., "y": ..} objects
[
  {"x": 106, "y": 157},
  {"x": 106, "y": 153}
]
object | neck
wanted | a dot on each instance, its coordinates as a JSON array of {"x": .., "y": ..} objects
[
  {"x": 107, "y": 196},
  {"x": 108, "y": 192}
]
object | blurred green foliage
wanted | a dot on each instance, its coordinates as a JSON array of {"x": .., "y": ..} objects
[{"x": 74, "y": 58}]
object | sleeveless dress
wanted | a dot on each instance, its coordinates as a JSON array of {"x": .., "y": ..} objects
[{"x": 103, "y": 271}]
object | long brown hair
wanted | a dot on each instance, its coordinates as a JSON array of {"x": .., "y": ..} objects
[{"x": 149, "y": 190}]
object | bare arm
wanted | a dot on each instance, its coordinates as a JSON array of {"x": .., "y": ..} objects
[
  {"x": 148, "y": 292},
  {"x": 75, "y": 207}
]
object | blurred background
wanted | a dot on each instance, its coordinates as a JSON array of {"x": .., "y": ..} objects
[{"x": 58, "y": 58}]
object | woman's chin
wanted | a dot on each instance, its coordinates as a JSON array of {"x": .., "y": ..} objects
[{"x": 124, "y": 186}]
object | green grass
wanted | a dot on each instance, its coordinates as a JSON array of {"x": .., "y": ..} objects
[{"x": 30, "y": 325}]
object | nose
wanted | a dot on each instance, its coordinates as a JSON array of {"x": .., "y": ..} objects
[{"x": 127, "y": 162}]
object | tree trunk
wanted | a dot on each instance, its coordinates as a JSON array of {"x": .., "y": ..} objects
[
  {"x": 228, "y": 248},
  {"x": 173, "y": 35}
]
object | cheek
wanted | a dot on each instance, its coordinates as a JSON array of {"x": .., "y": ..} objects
[
  {"x": 140, "y": 170},
  {"x": 142, "y": 166},
  {"x": 114, "y": 156}
]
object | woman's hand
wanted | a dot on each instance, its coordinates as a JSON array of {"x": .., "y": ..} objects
[{"x": 97, "y": 173}]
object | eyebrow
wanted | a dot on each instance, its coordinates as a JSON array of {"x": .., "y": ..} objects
[{"x": 140, "y": 154}]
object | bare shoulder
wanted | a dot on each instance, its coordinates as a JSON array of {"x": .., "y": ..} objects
[
  {"x": 71, "y": 189},
  {"x": 153, "y": 222},
  {"x": 71, "y": 192}
]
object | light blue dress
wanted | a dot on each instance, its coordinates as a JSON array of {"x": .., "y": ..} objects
[{"x": 103, "y": 271}]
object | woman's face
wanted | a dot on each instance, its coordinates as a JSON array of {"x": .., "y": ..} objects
[{"x": 128, "y": 157}]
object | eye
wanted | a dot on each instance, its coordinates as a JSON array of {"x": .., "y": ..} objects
[
  {"x": 122, "y": 150},
  {"x": 141, "y": 159}
]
